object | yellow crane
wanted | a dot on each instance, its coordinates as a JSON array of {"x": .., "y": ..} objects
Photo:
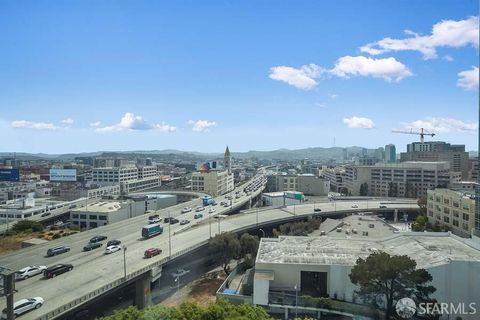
[{"x": 422, "y": 133}]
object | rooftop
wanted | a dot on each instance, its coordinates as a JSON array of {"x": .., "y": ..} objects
[
  {"x": 427, "y": 249},
  {"x": 101, "y": 206}
]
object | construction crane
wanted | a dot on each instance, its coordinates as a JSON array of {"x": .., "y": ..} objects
[{"x": 422, "y": 133}]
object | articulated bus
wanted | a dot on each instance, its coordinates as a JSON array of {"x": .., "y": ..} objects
[{"x": 151, "y": 230}]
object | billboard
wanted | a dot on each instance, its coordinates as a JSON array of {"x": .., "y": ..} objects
[
  {"x": 9, "y": 175},
  {"x": 63, "y": 174}
]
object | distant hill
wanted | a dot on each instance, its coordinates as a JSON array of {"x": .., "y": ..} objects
[{"x": 316, "y": 153}]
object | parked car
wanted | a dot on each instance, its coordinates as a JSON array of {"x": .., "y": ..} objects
[
  {"x": 152, "y": 252},
  {"x": 57, "y": 250},
  {"x": 92, "y": 245},
  {"x": 198, "y": 215},
  {"x": 24, "y": 305},
  {"x": 174, "y": 220},
  {"x": 98, "y": 239},
  {"x": 186, "y": 209},
  {"x": 112, "y": 249},
  {"x": 29, "y": 271},
  {"x": 317, "y": 210},
  {"x": 113, "y": 243},
  {"x": 198, "y": 209},
  {"x": 57, "y": 269}
]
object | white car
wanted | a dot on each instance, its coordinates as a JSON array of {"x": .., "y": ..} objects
[
  {"x": 24, "y": 305},
  {"x": 212, "y": 210},
  {"x": 186, "y": 209},
  {"x": 198, "y": 209},
  {"x": 179, "y": 273},
  {"x": 29, "y": 271},
  {"x": 355, "y": 206},
  {"x": 112, "y": 249}
]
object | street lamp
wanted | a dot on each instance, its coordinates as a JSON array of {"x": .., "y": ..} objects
[
  {"x": 210, "y": 222},
  {"x": 263, "y": 232},
  {"x": 169, "y": 236},
  {"x": 124, "y": 262},
  {"x": 296, "y": 301}
]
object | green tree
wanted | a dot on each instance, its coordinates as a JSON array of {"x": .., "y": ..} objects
[
  {"x": 227, "y": 246},
  {"x": 24, "y": 225},
  {"x": 248, "y": 245},
  {"x": 130, "y": 313},
  {"x": 409, "y": 192},
  {"x": 160, "y": 312},
  {"x": 190, "y": 311},
  {"x": 420, "y": 223},
  {"x": 364, "y": 189},
  {"x": 422, "y": 204},
  {"x": 392, "y": 277}
]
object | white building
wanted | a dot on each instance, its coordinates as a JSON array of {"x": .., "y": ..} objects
[
  {"x": 214, "y": 183},
  {"x": 320, "y": 266},
  {"x": 281, "y": 198},
  {"x": 130, "y": 179}
]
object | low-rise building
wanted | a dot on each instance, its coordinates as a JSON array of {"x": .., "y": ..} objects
[
  {"x": 320, "y": 266},
  {"x": 214, "y": 182},
  {"x": 336, "y": 176},
  {"x": 282, "y": 198},
  {"x": 308, "y": 184},
  {"x": 454, "y": 209}
]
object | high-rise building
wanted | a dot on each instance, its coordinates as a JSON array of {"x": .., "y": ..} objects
[
  {"x": 390, "y": 153},
  {"x": 227, "y": 161},
  {"x": 439, "y": 151}
]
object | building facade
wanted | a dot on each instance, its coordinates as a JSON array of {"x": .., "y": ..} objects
[
  {"x": 214, "y": 183},
  {"x": 454, "y": 209},
  {"x": 390, "y": 153},
  {"x": 227, "y": 161},
  {"x": 439, "y": 151}
]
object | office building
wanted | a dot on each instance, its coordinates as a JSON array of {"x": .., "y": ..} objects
[
  {"x": 214, "y": 183},
  {"x": 131, "y": 179},
  {"x": 439, "y": 151},
  {"x": 336, "y": 176},
  {"x": 390, "y": 153},
  {"x": 282, "y": 198},
  {"x": 308, "y": 184},
  {"x": 453, "y": 209},
  {"x": 409, "y": 179}
]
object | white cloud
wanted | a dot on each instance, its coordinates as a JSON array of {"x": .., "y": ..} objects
[
  {"x": 468, "y": 79},
  {"x": 321, "y": 105},
  {"x": 332, "y": 96},
  {"x": 448, "y": 58},
  {"x": 95, "y": 124},
  {"x": 67, "y": 121},
  {"x": 447, "y": 33},
  {"x": 434, "y": 125},
  {"x": 201, "y": 125},
  {"x": 132, "y": 122},
  {"x": 33, "y": 125},
  {"x": 388, "y": 69},
  {"x": 359, "y": 122},
  {"x": 302, "y": 78}
]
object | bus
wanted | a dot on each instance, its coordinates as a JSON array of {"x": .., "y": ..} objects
[
  {"x": 207, "y": 200},
  {"x": 151, "y": 230}
]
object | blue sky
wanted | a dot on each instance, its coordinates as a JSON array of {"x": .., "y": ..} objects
[{"x": 79, "y": 76}]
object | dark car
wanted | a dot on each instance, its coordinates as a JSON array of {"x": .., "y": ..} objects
[
  {"x": 57, "y": 269},
  {"x": 46, "y": 214},
  {"x": 383, "y": 206},
  {"x": 174, "y": 220},
  {"x": 98, "y": 239},
  {"x": 92, "y": 245},
  {"x": 166, "y": 220},
  {"x": 113, "y": 243},
  {"x": 152, "y": 252},
  {"x": 317, "y": 210},
  {"x": 57, "y": 250}
]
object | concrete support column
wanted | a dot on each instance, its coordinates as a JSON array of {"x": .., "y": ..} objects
[
  {"x": 395, "y": 215},
  {"x": 319, "y": 315},
  {"x": 143, "y": 295},
  {"x": 286, "y": 313}
]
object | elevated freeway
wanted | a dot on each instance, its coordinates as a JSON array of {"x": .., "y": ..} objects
[{"x": 95, "y": 274}]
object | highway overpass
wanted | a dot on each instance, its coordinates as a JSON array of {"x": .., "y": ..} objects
[{"x": 96, "y": 274}]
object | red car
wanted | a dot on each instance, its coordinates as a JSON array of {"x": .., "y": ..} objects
[{"x": 152, "y": 252}]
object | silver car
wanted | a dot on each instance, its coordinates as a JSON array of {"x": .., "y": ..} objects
[
  {"x": 24, "y": 305},
  {"x": 29, "y": 271}
]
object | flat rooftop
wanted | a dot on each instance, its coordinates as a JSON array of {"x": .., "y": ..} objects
[
  {"x": 357, "y": 223},
  {"x": 101, "y": 206},
  {"x": 427, "y": 249}
]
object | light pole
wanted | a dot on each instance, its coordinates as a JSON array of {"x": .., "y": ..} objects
[
  {"x": 296, "y": 301},
  {"x": 257, "y": 214},
  {"x": 124, "y": 262},
  {"x": 169, "y": 236},
  {"x": 210, "y": 222}
]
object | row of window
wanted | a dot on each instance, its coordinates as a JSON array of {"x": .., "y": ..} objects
[{"x": 90, "y": 216}]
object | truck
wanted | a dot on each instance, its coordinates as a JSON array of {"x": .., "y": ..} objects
[
  {"x": 151, "y": 230},
  {"x": 207, "y": 200}
]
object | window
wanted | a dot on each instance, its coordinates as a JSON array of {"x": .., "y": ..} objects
[
  {"x": 92, "y": 217},
  {"x": 446, "y": 219},
  {"x": 466, "y": 216},
  {"x": 75, "y": 216},
  {"x": 83, "y": 216}
]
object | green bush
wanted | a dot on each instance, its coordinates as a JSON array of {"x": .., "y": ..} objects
[
  {"x": 65, "y": 235},
  {"x": 26, "y": 225},
  {"x": 56, "y": 236},
  {"x": 41, "y": 236},
  {"x": 10, "y": 232}
]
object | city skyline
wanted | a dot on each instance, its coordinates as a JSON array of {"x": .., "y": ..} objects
[{"x": 156, "y": 76}]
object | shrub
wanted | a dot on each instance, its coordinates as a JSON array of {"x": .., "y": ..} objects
[
  {"x": 65, "y": 234},
  {"x": 51, "y": 233},
  {"x": 10, "y": 232},
  {"x": 41, "y": 236},
  {"x": 56, "y": 236},
  {"x": 24, "y": 225},
  {"x": 61, "y": 231}
]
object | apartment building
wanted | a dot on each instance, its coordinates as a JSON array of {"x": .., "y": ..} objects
[
  {"x": 131, "y": 179},
  {"x": 336, "y": 176},
  {"x": 451, "y": 208}
]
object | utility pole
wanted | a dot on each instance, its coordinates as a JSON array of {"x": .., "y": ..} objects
[
  {"x": 169, "y": 236},
  {"x": 210, "y": 222},
  {"x": 124, "y": 262}
]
